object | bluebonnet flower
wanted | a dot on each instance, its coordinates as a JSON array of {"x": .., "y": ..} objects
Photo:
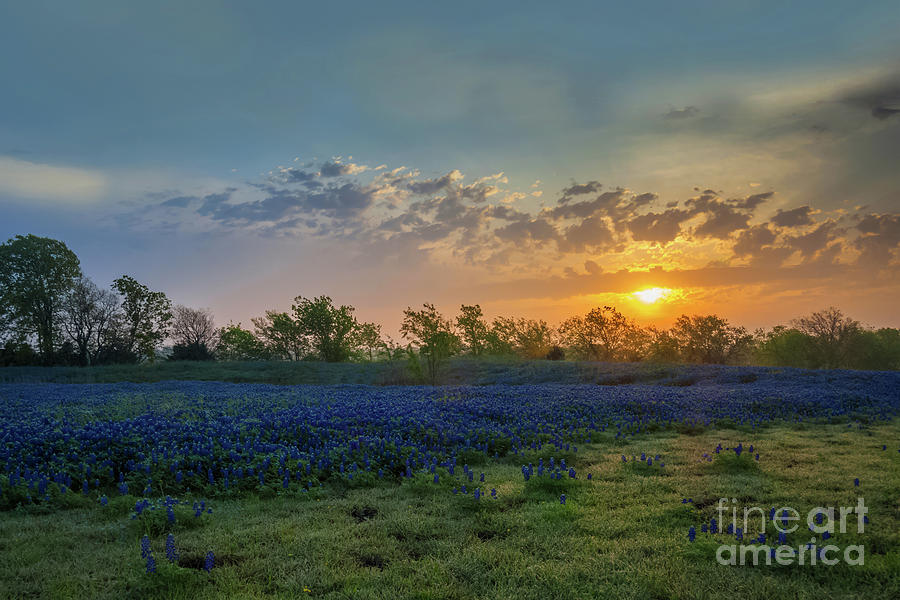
[
  {"x": 493, "y": 493},
  {"x": 856, "y": 482},
  {"x": 104, "y": 500},
  {"x": 151, "y": 564},
  {"x": 209, "y": 562},
  {"x": 692, "y": 533},
  {"x": 171, "y": 552},
  {"x": 782, "y": 538},
  {"x": 562, "y": 499},
  {"x": 145, "y": 546}
]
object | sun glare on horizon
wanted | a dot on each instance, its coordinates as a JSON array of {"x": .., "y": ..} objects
[{"x": 652, "y": 295}]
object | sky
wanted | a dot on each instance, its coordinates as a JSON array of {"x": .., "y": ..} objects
[{"x": 538, "y": 159}]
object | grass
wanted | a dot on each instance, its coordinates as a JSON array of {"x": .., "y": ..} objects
[
  {"x": 621, "y": 535},
  {"x": 459, "y": 370}
]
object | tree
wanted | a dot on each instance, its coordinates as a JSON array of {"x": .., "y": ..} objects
[
  {"x": 501, "y": 337},
  {"x": 710, "y": 339},
  {"x": 237, "y": 343},
  {"x": 832, "y": 334},
  {"x": 784, "y": 347},
  {"x": 328, "y": 327},
  {"x": 281, "y": 335},
  {"x": 599, "y": 335},
  {"x": 90, "y": 316},
  {"x": 534, "y": 339},
  {"x": 368, "y": 341},
  {"x": 193, "y": 326},
  {"x": 473, "y": 328},
  {"x": 146, "y": 317},
  {"x": 662, "y": 346},
  {"x": 36, "y": 274},
  {"x": 433, "y": 335}
]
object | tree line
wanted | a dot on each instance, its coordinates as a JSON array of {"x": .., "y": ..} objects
[{"x": 52, "y": 314}]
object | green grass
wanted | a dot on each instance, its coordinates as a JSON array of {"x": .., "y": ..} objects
[
  {"x": 621, "y": 535},
  {"x": 457, "y": 371}
]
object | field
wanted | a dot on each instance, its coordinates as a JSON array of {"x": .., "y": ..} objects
[{"x": 606, "y": 489}]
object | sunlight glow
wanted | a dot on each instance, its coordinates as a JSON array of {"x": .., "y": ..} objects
[{"x": 651, "y": 295}]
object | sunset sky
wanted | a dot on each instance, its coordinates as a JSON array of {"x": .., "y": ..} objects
[{"x": 536, "y": 158}]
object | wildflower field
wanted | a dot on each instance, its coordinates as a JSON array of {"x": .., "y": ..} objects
[{"x": 186, "y": 489}]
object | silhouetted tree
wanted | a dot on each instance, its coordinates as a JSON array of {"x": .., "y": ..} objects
[
  {"x": 368, "y": 341},
  {"x": 473, "y": 329},
  {"x": 90, "y": 318},
  {"x": 146, "y": 317},
  {"x": 36, "y": 274},
  {"x": 193, "y": 327},
  {"x": 281, "y": 335},
  {"x": 433, "y": 336},
  {"x": 599, "y": 335},
  {"x": 237, "y": 343},
  {"x": 710, "y": 339},
  {"x": 832, "y": 334}
]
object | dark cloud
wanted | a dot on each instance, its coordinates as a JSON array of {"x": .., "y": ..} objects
[
  {"x": 816, "y": 240},
  {"x": 335, "y": 169},
  {"x": 796, "y": 217},
  {"x": 604, "y": 203},
  {"x": 751, "y": 242},
  {"x": 579, "y": 189},
  {"x": 427, "y": 187},
  {"x": 881, "y": 98},
  {"x": 591, "y": 234},
  {"x": 658, "y": 227},
  {"x": 294, "y": 175},
  {"x": 751, "y": 202},
  {"x": 536, "y": 230},
  {"x": 880, "y": 237},
  {"x": 721, "y": 219},
  {"x": 179, "y": 201}
]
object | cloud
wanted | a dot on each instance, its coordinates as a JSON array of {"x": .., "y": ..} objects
[
  {"x": 796, "y": 217},
  {"x": 24, "y": 179},
  {"x": 880, "y": 238},
  {"x": 658, "y": 227},
  {"x": 682, "y": 113},
  {"x": 579, "y": 189},
  {"x": 881, "y": 96}
]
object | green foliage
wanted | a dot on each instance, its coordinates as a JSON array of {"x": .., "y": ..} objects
[
  {"x": 433, "y": 336},
  {"x": 710, "y": 339},
  {"x": 36, "y": 273},
  {"x": 237, "y": 343},
  {"x": 147, "y": 316},
  {"x": 473, "y": 328},
  {"x": 602, "y": 334},
  {"x": 281, "y": 336},
  {"x": 329, "y": 328}
]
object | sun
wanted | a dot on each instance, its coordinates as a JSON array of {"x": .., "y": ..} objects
[{"x": 651, "y": 295}]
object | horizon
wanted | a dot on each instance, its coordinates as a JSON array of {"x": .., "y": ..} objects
[{"x": 510, "y": 156}]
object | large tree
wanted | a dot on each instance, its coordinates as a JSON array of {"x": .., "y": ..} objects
[
  {"x": 833, "y": 335},
  {"x": 36, "y": 274},
  {"x": 710, "y": 339},
  {"x": 602, "y": 334},
  {"x": 433, "y": 335},
  {"x": 90, "y": 318},
  {"x": 473, "y": 328},
  {"x": 237, "y": 343},
  {"x": 281, "y": 335},
  {"x": 146, "y": 317},
  {"x": 329, "y": 328}
]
